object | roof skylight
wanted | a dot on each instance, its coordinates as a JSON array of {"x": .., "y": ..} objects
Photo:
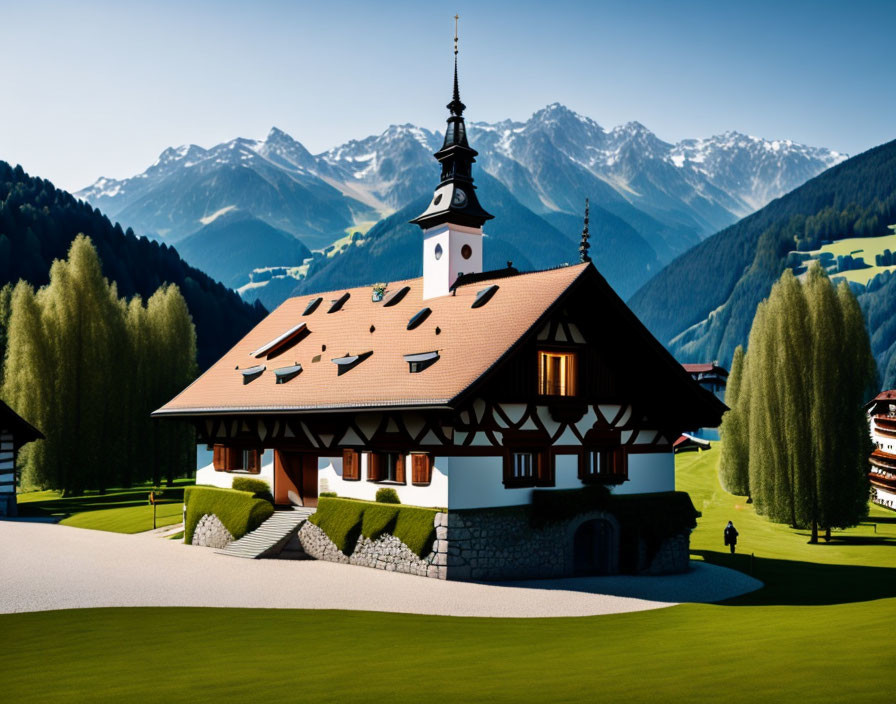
[
  {"x": 339, "y": 302},
  {"x": 396, "y": 296},
  {"x": 312, "y": 305},
  {"x": 280, "y": 341},
  {"x": 421, "y": 360},
  {"x": 350, "y": 361},
  {"x": 484, "y": 296},
  {"x": 284, "y": 374},
  {"x": 419, "y": 317},
  {"x": 250, "y": 374}
]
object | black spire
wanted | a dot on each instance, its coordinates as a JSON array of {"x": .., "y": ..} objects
[
  {"x": 585, "y": 246},
  {"x": 455, "y": 198}
]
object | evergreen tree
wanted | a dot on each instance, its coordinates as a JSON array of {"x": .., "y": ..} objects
[{"x": 733, "y": 464}]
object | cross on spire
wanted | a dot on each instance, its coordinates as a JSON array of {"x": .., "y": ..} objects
[{"x": 585, "y": 246}]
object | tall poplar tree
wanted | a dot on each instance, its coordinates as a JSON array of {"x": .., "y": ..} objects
[
  {"x": 5, "y": 312},
  {"x": 88, "y": 368},
  {"x": 733, "y": 464},
  {"x": 806, "y": 374},
  {"x": 27, "y": 369}
]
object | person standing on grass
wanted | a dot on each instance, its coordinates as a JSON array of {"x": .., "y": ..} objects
[{"x": 731, "y": 536}]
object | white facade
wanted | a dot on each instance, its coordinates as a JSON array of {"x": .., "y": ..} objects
[
  {"x": 882, "y": 495},
  {"x": 206, "y": 474},
  {"x": 463, "y": 482},
  {"x": 448, "y": 251}
]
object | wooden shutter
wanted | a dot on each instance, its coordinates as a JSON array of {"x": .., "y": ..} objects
[
  {"x": 619, "y": 460},
  {"x": 544, "y": 474},
  {"x": 219, "y": 458},
  {"x": 421, "y": 469},
  {"x": 351, "y": 470},
  {"x": 254, "y": 462},
  {"x": 400, "y": 469},
  {"x": 374, "y": 466}
]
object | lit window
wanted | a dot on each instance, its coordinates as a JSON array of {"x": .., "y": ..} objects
[{"x": 557, "y": 373}]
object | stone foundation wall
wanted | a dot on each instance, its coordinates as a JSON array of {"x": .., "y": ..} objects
[
  {"x": 384, "y": 553},
  {"x": 494, "y": 545},
  {"x": 501, "y": 544},
  {"x": 211, "y": 533},
  {"x": 672, "y": 557}
]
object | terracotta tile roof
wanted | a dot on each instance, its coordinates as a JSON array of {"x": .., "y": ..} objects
[{"x": 469, "y": 341}]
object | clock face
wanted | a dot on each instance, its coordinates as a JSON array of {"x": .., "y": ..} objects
[{"x": 460, "y": 198}]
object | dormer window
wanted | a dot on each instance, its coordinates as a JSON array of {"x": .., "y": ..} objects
[{"x": 557, "y": 373}]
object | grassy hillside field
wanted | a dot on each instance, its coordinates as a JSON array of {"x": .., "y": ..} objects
[{"x": 816, "y": 632}]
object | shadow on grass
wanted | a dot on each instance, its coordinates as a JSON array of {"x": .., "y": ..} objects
[
  {"x": 68, "y": 506},
  {"x": 793, "y": 583}
]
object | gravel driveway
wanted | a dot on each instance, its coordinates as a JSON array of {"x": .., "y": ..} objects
[{"x": 45, "y": 567}]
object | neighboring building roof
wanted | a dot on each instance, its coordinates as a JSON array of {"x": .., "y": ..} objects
[
  {"x": 705, "y": 368},
  {"x": 889, "y": 395},
  {"x": 21, "y": 429},
  {"x": 685, "y": 441},
  {"x": 886, "y": 395}
]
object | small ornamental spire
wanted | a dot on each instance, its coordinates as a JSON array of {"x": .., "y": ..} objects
[
  {"x": 584, "y": 246},
  {"x": 456, "y": 106}
]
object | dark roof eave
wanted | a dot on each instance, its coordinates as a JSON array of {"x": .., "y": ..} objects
[{"x": 438, "y": 405}]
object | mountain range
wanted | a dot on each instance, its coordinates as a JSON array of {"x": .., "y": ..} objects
[
  {"x": 38, "y": 223},
  {"x": 701, "y": 306},
  {"x": 651, "y": 200}
]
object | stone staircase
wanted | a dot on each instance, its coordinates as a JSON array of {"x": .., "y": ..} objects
[{"x": 271, "y": 536}]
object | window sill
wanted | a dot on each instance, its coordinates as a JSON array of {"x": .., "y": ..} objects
[
  {"x": 387, "y": 482},
  {"x": 604, "y": 479}
]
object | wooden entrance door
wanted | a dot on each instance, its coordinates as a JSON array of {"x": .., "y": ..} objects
[{"x": 295, "y": 478}]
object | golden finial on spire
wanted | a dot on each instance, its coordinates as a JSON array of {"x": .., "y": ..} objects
[{"x": 456, "y": 18}]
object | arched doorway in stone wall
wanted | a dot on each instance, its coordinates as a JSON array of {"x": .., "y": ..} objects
[{"x": 595, "y": 547}]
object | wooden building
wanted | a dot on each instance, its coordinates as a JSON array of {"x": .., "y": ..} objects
[
  {"x": 882, "y": 463},
  {"x": 463, "y": 389},
  {"x": 14, "y": 432}
]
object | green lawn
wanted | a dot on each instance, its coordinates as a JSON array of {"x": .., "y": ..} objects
[
  {"x": 818, "y": 633},
  {"x": 118, "y": 510}
]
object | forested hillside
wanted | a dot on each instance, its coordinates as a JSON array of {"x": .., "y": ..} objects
[
  {"x": 38, "y": 223},
  {"x": 702, "y": 304}
]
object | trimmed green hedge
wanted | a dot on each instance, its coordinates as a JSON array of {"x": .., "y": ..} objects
[
  {"x": 251, "y": 484},
  {"x": 387, "y": 495},
  {"x": 239, "y": 511},
  {"x": 345, "y": 520}
]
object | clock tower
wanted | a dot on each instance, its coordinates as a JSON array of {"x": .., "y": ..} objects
[{"x": 452, "y": 223}]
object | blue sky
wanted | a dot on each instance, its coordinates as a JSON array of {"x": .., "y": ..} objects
[{"x": 100, "y": 88}]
